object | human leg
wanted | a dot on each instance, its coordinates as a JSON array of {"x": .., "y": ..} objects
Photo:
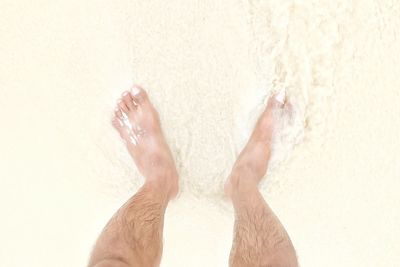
[
  {"x": 259, "y": 239},
  {"x": 133, "y": 236}
]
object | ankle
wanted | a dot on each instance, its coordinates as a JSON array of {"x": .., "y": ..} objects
[
  {"x": 252, "y": 163},
  {"x": 163, "y": 185},
  {"x": 239, "y": 184}
]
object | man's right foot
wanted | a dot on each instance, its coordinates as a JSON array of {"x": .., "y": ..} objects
[
  {"x": 252, "y": 163},
  {"x": 138, "y": 124}
]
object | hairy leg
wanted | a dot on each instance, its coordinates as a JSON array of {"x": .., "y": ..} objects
[
  {"x": 133, "y": 236},
  {"x": 260, "y": 240}
]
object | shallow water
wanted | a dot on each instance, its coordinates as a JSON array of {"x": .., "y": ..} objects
[
  {"x": 296, "y": 47},
  {"x": 209, "y": 67}
]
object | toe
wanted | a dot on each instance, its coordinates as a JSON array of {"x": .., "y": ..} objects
[
  {"x": 139, "y": 95},
  {"x": 117, "y": 123},
  {"x": 276, "y": 101},
  {"x": 280, "y": 97},
  {"x": 118, "y": 113},
  {"x": 122, "y": 106},
  {"x": 128, "y": 100},
  {"x": 266, "y": 121}
]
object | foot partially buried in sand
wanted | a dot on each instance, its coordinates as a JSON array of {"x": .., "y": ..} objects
[
  {"x": 138, "y": 124},
  {"x": 252, "y": 163}
]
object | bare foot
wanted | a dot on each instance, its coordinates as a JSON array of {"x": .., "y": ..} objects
[
  {"x": 252, "y": 163},
  {"x": 138, "y": 124}
]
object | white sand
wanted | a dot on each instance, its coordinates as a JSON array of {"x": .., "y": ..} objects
[{"x": 209, "y": 67}]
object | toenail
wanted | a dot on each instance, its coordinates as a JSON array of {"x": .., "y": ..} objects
[
  {"x": 125, "y": 93},
  {"x": 280, "y": 97},
  {"x": 135, "y": 91},
  {"x": 116, "y": 109}
]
